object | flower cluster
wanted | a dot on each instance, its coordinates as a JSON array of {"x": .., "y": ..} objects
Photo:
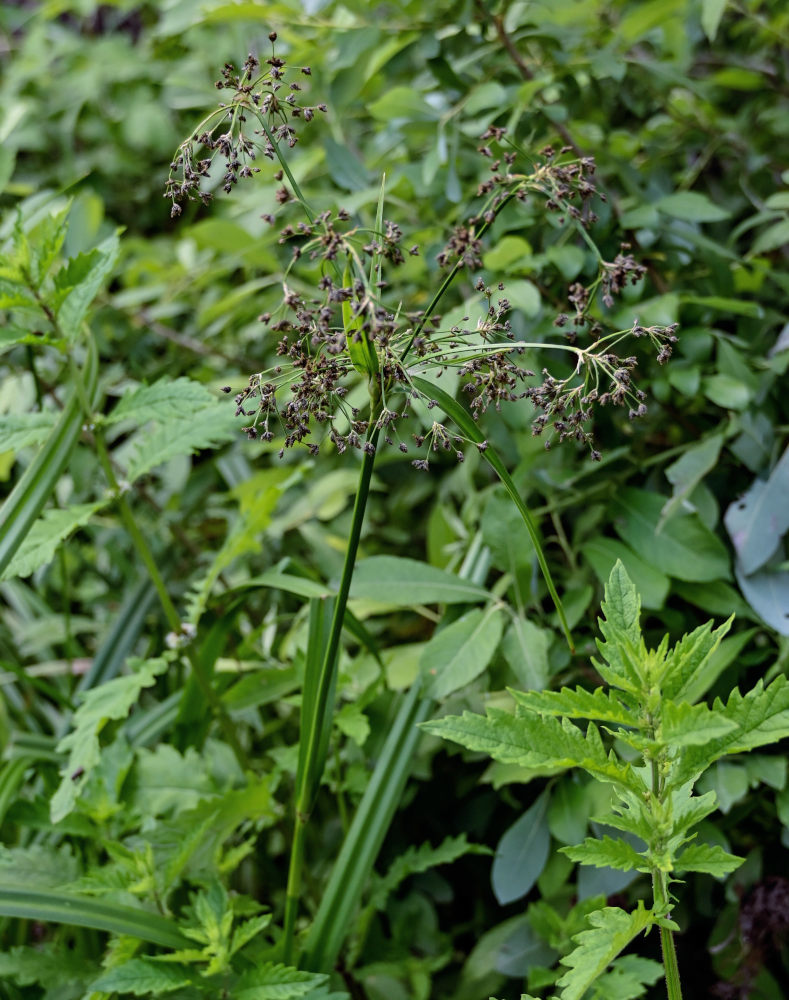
[
  {"x": 330, "y": 334},
  {"x": 268, "y": 99}
]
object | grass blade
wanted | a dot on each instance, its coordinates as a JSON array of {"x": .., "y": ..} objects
[
  {"x": 54, "y": 906},
  {"x": 469, "y": 428}
]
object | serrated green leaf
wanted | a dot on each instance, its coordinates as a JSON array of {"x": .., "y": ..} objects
[
  {"x": 685, "y": 676},
  {"x": 459, "y": 653},
  {"x": 112, "y": 700},
  {"x": 623, "y": 645},
  {"x": 627, "y": 978},
  {"x": 48, "y": 964},
  {"x": 710, "y": 859},
  {"x": 209, "y": 428},
  {"x": 611, "y": 930},
  {"x": 144, "y": 976},
  {"x": 606, "y": 853},
  {"x": 272, "y": 981},
  {"x": 420, "y": 859},
  {"x": 19, "y": 430},
  {"x": 761, "y": 717},
  {"x": 577, "y": 703},
  {"x": 45, "y": 536},
  {"x": 691, "y": 725},
  {"x": 80, "y": 282},
  {"x": 167, "y": 399},
  {"x": 534, "y": 741}
]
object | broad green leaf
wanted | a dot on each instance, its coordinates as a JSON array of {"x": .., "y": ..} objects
[
  {"x": 271, "y": 981},
  {"x": 758, "y": 521},
  {"x": 578, "y": 703},
  {"x": 344, "y": 166},
  {"x": 772, "y": 238},
  {"x": 525, "y": 647},
  {"x": 570, "y": 809},
  {"x": 627, "y": 978},
  {"x": 534, "y": 741},
  {"x": 521, "y": 853},
  {"x": 80, "y": 282},
  {"x": 167, "y": 399},
  {"x": 505, "y": 534},
  {"x": 685, "y": 674},
  {"x": 37, "y": 866},
  {"x": 603, "y": 553},
  {"x": 767, "y": 592},
  {"x": 45, "y": 536},
  {"x": 709, "y": 859},
  {"x": 406, "y": 582},
  {"x": 101, "y": 704},
  {"x": 165, "y": 781},
  {"x": 726, "y": 391},
  {"x": 611, "y": 931},
  {"x": 621, "y": 629},
  {"x": 683, "y": 548},
  {"x": 688, "y": 471},
  {"x": 209, "y": 428},
  {"x": 19, "y": 430},
  {"x": 740, "y": 307},
  {"x": 458, "y": 653},
  {"x": 711, "y": 14},
  {"x": 49, "y": 964},
  {"x": 403, "y": 102},
  {"x": 143, "y": 977},
  {"x": 691, "y": 206},
  {"x": 607, "y": 853}
]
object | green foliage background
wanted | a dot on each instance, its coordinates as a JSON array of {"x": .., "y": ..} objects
[{"x": 684, "y": 105}]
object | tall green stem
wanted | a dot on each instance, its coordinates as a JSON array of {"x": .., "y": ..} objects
[
  {"x": 660, "y": 900},
  {"x": 311, "y": 730}
]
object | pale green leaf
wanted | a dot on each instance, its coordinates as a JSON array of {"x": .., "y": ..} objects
[
  {"x": 627, "y": 978},
  {"x": 758, "y": 521},
  {"x": 607, "y": 853},
  {"x": 526, "y": 647},
  {"x": 112, "y": 700},
  {"x": 603, "y": 553},
  {"x": 45, "y": 536},
  {"x": 143, "y": 977},
  {"x": 687, "y": 472},
  {"x": 692, "y": 206},
  {"x": 710, "y": 859},
  {"x": 461, "y": 651},
  {"x": 208, "y": 428},
  {"x": 711, "y": 14},
  {"x": 406, "y": 582},
  {"x": 49, "y": 964},
  {"x": 19, "y": 430},
  {"x": 621, "y": 631},
  {"x": 611, "y": 930},
  {"x": 167, "y": 399}
]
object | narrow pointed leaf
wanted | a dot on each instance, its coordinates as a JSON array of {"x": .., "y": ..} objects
[{"x": 606, "y": 853}]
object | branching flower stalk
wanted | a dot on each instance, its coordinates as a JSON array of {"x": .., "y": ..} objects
[{"x": 329, "y": 336}]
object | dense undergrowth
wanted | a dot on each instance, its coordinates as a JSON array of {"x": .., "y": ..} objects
[{"x": 172, "y": 585}]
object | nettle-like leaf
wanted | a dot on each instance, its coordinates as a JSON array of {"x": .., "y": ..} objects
[
  {"x": 607, "y": 853},
  {"x": 45, "y": 536},
  {"x": 79, "y": 282},
  {"x": 420, "y": 859},
  {"x": 629, "y": 813},
  {"x": 207, "y": 428},
  {"x": 578, "y": 703},
  {"x": 20, "y": 430},
  {"x": 48, "y": 964},
  {"x": 710, "y": 859},
  {"x": 611, "y": 930},
  {"x": 166, "y": 399},
  {"x": 691, "y": 725},
  {"x": 761, "y": 717},
  {"x": 272, "y": 981},
  {"x": 684, "y": 677},
  {"x": 628, "y": 978},
  {"x": 144, "y": 977},
  {"x": 534, "y": 741},
  {"x": 623, "y": 646},
  {"x": 112, "y": 700}
]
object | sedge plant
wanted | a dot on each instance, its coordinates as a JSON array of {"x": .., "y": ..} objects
[
  {"x": 347, "y": 328},
  {"x": 649, "y": 736}
]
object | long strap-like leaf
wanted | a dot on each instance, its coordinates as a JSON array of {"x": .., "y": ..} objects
[
  {"x": 27, "y": 499},
  {"x": 54, "y": 906},
  {"x": 469, "y": 428}
]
